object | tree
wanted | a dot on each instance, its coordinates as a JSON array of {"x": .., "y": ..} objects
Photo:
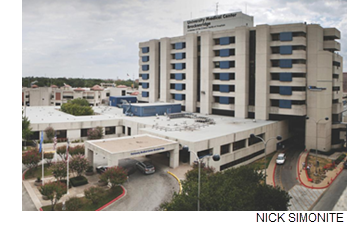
[
  {"x": 59, "y": 170},
  {"x": 49, "y": 157},
  {"x": 77, "y": 150},
  {"x": 26, "y": 129},
  {"x": 236, "y": 189},
  {"x": 78, "y": 164},
  {"x": 77, "y": 107},
  {"x": 115, "y": 176},
  {"x": 54, "y": 191},
  {"x": 61, "y": 151},
  {"x": 49, "y": 133},
  {"x": 31, "y": 158}
]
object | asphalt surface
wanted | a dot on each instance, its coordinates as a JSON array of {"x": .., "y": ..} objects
[
  {"x": 144, "y": 192},
  {"x": 285, "y": 175},
  {"x": 332, "y": 194}
]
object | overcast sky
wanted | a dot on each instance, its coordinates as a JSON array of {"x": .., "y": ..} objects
[{"x": 99, "y": 38}]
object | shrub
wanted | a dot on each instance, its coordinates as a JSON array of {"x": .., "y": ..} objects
[
  {"x": 94, "y": 194},
  {"x": 73, "y": 204},
  {"x": 78, "y": 149},
  {"x": 340, "y": 159},
  {"x": 61, "y": 151},
  {"x": 78, "y": 181},
  {"x": 31, "y": 158}
]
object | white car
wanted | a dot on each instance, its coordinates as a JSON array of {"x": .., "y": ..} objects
[{"x": 281, "y": 158}]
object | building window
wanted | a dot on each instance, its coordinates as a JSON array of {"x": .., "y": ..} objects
[
  {"x": 145, "y": 76},
  {"x": 145, "y": 67},
  {"x": 254, "y": 140},
  {"x": 205, "y": 152},
  {"x": 239, "y": 145},
  {"x": 145, "y": 49},
  {"x": 285, "y": 104},
  {"x": 286, "y": 50},
  {"x": 178, "y": 66},
  {"x": 145, "y": 94},
  {"x": 84, "y": 132},
  {"x": 179, "y": 45},
  {"x": 145, "y": 85},
  {"x": 110, "y": 130},
  {"x": 286, "y": 36},
  {"x": 178, "y": 76},
  {"x": 225, "y": 149},
  {"x": 285, "y": 90},
  {"x": 180, "y": 97},
  {"x": 180, "y": 55},
  {"x": 285, "y": 63},
  {"x": 145, "y": 58}
]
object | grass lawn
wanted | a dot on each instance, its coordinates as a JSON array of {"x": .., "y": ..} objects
[
  {"x": 87, "y": 204},
  {"x": 37, "y": 172}
]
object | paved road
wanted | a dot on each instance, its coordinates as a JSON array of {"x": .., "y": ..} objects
[
  {"x": 332, "y": 194},
  {"x": 285, "y": 175},
  {"x": 144, "y": 192}
]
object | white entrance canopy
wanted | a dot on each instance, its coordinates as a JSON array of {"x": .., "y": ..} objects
[{"x": 115, "y": 149}]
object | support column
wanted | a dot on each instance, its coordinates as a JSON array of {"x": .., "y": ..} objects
[{"x": 174, "y": 158}]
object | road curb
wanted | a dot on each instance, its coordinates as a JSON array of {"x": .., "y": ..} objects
[
  {"x": 178, "y": 180},
  {"x": 114, "y": 200}
]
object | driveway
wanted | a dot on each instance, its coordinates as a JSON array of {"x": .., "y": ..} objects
[{"x": 146, "y": 192}]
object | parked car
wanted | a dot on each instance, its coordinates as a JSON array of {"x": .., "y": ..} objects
[
  {"x": 101, "y": 169},
  {"x": 281, "y": 158},
  {"x": 145, "y": 167},
  {"x": 345, "y": 165}
]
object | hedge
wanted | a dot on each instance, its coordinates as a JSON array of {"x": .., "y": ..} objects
[{"x": 78, "y": 181}]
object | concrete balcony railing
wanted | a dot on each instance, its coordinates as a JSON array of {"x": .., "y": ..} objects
[
  {"x": 296, "y": 95},
  {"x": 295, "y": 41},
  {"x": 297, "y": 68},
  {"x": 223, "y": 94},
  {"x": 332, "y": 45},
  {"x": 296, "y": 81},
  {"x": 337, "y": 108},
  {"x": 296, "y": 54},
  {"x": 217, "y": 105}
]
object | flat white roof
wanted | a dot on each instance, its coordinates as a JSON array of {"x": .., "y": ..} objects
[
  {"x": 180, "y": 128},
  {"x": 153, "y": 104},
  {"x": 130, "y": 143}
]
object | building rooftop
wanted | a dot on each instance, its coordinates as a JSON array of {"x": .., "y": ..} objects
[
  {"x": 124, "y": 144},
  {"x": 188, "y": 129}
]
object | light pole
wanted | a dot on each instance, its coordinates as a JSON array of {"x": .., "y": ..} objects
[
  {"x": 265, "y": 143},
  {"x": 326, "y": 118},
  {"x": 214, "y": 157}
]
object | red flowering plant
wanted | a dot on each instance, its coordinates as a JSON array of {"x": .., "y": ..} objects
[
  {"x": 59, "y": 170},
  {"x": 95, "y": 133},
  {"x": 115, "y": 176},
  {"x": 31, "y": 158},
  {"x": 54, "y": 191},
  {"x": 78, "y": 164}
]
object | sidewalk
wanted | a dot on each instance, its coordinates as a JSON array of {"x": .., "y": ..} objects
[
  {"x": 303, "y": 178},
  {"x": 36, "y": 196}
]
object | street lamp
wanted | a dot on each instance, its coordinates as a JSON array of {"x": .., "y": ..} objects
[
  {"x": 326, "y": 118},
  {"x": 265, "y": 143},
  {"x": 214, "y": 157}
]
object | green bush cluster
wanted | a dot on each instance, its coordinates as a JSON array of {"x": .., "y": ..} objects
[
  {"x": 78, "y": 181},
  {"x": 77, "y": 107}
]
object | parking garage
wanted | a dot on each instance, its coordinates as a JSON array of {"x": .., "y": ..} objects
[{"x": 115, "y": 149}]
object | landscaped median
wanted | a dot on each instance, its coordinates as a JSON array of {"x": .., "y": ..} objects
[
  {"x": 317, "y": 178},
  {"x": 87, "y": 197}
]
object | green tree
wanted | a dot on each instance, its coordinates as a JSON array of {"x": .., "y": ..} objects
[
  {"x": 31, "y": 158},
  {"x": 54, "y": 191},
  {"x": 115, "y": 176},
  {"x": 59, "y": 170},
  {"x": 78, "y": 164},
  {"x": 236, "y": 189},
  {"x": 26, "y": 129},
  {"x": 77, "y": 107},
  {"x": 49, "y": 133}
]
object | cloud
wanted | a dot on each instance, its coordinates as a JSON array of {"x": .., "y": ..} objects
[{"x": 100, "y": 38}]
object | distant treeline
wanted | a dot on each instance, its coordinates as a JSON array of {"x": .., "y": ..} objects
[{"x": 73, "y": 82}]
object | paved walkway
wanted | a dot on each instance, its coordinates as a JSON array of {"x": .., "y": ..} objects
[{"x": 306, "y": 194}]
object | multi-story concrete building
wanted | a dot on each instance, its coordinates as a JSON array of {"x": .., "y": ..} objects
[{"x": 268, "y": 72}]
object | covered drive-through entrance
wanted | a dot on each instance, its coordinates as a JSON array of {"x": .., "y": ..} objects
[{"x": 115, "y": 149}]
